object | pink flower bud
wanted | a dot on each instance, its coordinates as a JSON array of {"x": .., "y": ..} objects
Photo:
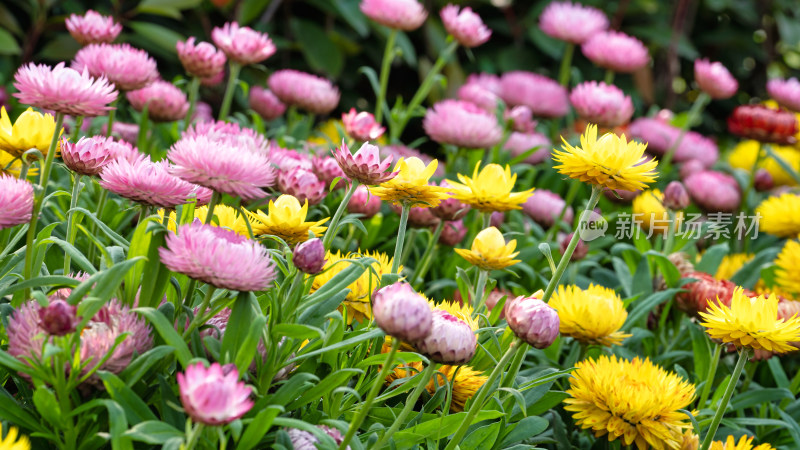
[
  {"x": 361, "y": 126},
  {"x": 763, "y": 180},
  {"x": 58, "y": 318},
  {"x": 581, "y": 250},
  {"x": 453, "y": 233},
  {"x": 309, "y": 256},
  {"x": 450, "y": 341},
  {"x": 401, "y": 312},
  {"x": 362, "y": 202},
  {"x": 714, "y": 191},
  {"x": 532, "y": 320},
  {"x": 675, "y": 196}
]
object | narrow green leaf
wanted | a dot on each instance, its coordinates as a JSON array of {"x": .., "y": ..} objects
[{"x": 167, "y": 332}]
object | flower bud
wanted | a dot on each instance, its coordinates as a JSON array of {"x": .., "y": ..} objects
[
  {"x": 763, "y": 180},
  {"x": 309, "y": 256},
  {"x": 450, "y": 341},
  {"x": 453, "y": 233},
  {"x": 364, "y": 203},
  {"x": 58, "y": 318},
  {"x": 401, "y": 312},
  {"x": 675, "y": 196},
  {"x": 532, "y": 320},
  {"x": 580, "y": 250},
  {"x": 691, "y": 166}
]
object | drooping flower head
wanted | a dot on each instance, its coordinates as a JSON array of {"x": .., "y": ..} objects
[
  {"x": 714, "y": 79},
  {"x": 303, "y": 185},
  {"x": 616, "y": 51},
  {"x": 490, "y": 251},
  {"x": 401, "y": 312},
  {"x": 16, "y": 196},
  {"x": 532, "y": 320},
  {"x": 462, "y": 124},
  {"x": 601, "y": 104},
  {"x": 545, "y": 206},
  {"x": 362, "y": 202},
  {"x": 787, "y": 275},
  {"x": 780, "y": 215},
  {"x": 243, "y": 45},
  {"x": 544, "y": 96},
  {"x": 304, "y": 90},
  {"x": 31, "y": 130},
  {"x": 361, "y": 126},
  {"x": 465, "y": 26},
  {"x": 593, "y": 316},
  {"x": 489, "y": 189},
  {"x": 365, "y": 166},
  {"x": 407, "y": 15},
  {"x": 126, "y": 67},
  {"x": 610, "y": 161},
  {"x": 164, "y": 101},
  {"x": 634, "y": 401},
  {"x": 92, "y": 28},
  {"x": 219, "y": 257},
  {"x": 785, "y": 92},
  {"x": 64, "y": 90},
  {"x": 763, "y": 124},
  {"x": 450, "y": 341},
  {"x": 410, "y": 186},
  {"x": 213, "y": 395},
  {"x": 572, "y": 22},
  {"x": 286, "y": 219},
  {"x": 89, "y": 154},
  {"x": 200, "y": 60},
  {"x": 265, "y": 103},
  {"x": 714, "y": 191}
]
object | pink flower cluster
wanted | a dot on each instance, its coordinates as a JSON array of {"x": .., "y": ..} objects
[
  {"x": 164, "y": 101},
  {"x": 462, "y": 124},
  {"x": 310, "y": 92},
  {"x": 243, "y": 45},
  {"x": 126, "y": 67},
  {"x": 572, "y": 22},
  {"x": 92, "y": 28}
]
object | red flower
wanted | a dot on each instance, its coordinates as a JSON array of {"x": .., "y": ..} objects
[{"x": 763, "y": 124}]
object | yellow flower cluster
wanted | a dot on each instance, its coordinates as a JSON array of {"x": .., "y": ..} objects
[
  {"x": 489, "y": 251},
  {"x": 489, "y": 190},
  {"x": 410, "y": 187},
  {"x": 286, "y": 219},
  {"x": 780, "y": 215},
  {"x": 593, "y": 316},
  {"x": 744, "y": 156}
]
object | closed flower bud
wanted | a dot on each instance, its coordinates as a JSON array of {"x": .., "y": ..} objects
[
  {"x": 532, "y": 320},
  {"x": 690, "y": 167},
  {"x": 763, "y": 180},
  {"x": 309, "y": 257},
  {"x": 453, "y": 233},
  {"x": 450, "y": 341},
  {"x": 675, "y": 196},
  {"x": 581, "y": 250},
  {"x": 714, "y": 191},
  {"x": 706, "y": 289},
  {"x": 401, "y": 312},
  {"x": 58, "y": 318}
]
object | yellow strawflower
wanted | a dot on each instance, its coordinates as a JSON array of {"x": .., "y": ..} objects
[
  {"x": 745, "y": 443},
  {"x": 691, "y": 441},
  {"x": 592, "y": 316},
  {"x": 490, "y": 251},
  {"x": 224, "y": 216},
  {"x": 787, "y": 276},
  {"x": 635, "y": 401},
  {"x": 466, "y": 383},
  {"x": 461, "y": 311},
  {"x": 744, "y": 155},
  {"x": 752, "y": 323},
  {"x": 780, "y": 215},
  {"x": 10, "y": 442},
  {"x": 10, "y": 165},
  {"x": 410, "y": 186},
  {"x": 650, "y": 213},
  {"x": 611, "y": 161},
  {"x": 287, "y": 220},
  {"x": 32, "y": 129},
  {"x": 489, "y": 190},
  {"x": 731, "y": 264}
]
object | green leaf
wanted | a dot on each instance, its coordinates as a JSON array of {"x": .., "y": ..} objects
[
  {"x": 756, "y": 397},
  {"x": 345, "y": 344},
  {"x": 778, "y": 373},
  {"x": 701, "y": 350},
  {"x": 258, "y": 427},
  {"x": 118, "y": 425},
  {"x": 47, "y": 405},
  {"x": 329, "y": 383},
  {"x": 712, "y": 258},
  {"x": 160, "y": 36},
  {"x": 438, "y": 428},
  {"x": 140, "y": 365},
  {"x": 249, "y": 10},
  {"x": 153, "y": 432},
  {"x": 319, "y": 51},
  {"x": 12, "y": 411},
  {"x": 247, "y": 351},
  {"x": 46, "y": 280},
  {"x": 136, "y": 410},
  {"x": 297, "y": 331},
  {"x": 482, "y": 438},
  {"x": 525, "y": 429},
  {"x": 167, "y": 332},
  {"x": 74, "y": 253},
  {"x": 350, "y": 12},
  {"x": 644, "y": 306},
  {"x": 245, "y": 309},
  {"x": 8, "y": 45}
]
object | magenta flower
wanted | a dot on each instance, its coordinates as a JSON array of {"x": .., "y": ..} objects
[
  {"x": 164, "y": 101},
  {"x": 464, "y": 25},
  {"x": 310, "y": 92},
  {"x": 449, "y": 209},
  {"x": 785, "y": 92},
  {"x": 616, "y": 51},
  {"x": 88, "y": 155},
  {"x": 213, "y": 395},
  {"x": 488, "y": 81},
  {"x": 544, "y": 96},
  {"x": 453, "y": 233},
  {"x": 450, "y": 341},
  {"x": 219, "y": 257},
  {"x": 532, "y": 320},
  {"x": 63, "y": 90},
  {"x": 601, "y": 104},
  {"x": 92, "y": 28},
  {"x": 363, "y": 203},
  {"x": 479, "y": 95},
  {"x": 221, "y": 165},
  {"x": 16, "y": 196},
  {"x": 690, "y": 167},
  {"x": 109, "y": 324},
  {"x": 201, "y": 60},
  {"x": 309, "y": 256},
  {"x": 521, "y": 118},
  {"x": 150, "y": 183},
  {"x": 231, "y": 133},
  {"x": 520, "y": 143},
  {"x": 243, "y": 44},
  {"x": 361, "y": 126},
  {"x": 695, "y": 146},
  {"x": 676, "y": 197},
  {"x": 462, "y": 124},
  {"x": 401, "y": 312},
  {"x": 572, "y": 22},
  {"x": 365, "y": 166},
  {"x": 58, "y": 318},
  {"x": 657, "y": 134},
  {"x": 302, "y": 184},
  {"x": 327, "y": 169},
  {"x": 714, "y": 191},
  {"x": 265, "y": 103},
  {"x": 126, "y": 67},
  {"x": 714, "y": 79},
  {"x": 407, "y": 15},
  {"x": 544, "y": 207}
]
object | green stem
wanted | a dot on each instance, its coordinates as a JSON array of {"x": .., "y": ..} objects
[
  {"x": 201, "y": 311},
  {"x": 480, "y": 397},
  {"x": 411, "y": 400},
  {"x": 401, "y": 236},
  {"x": 566, "y": 65},
  {"x": 486, "y": 220},
  {"x": 327, "y": 240},
  {"x": 695, "y": 111},
  {"x": 71, "y": 219},
  {"x": 723, "y": 405},
  {"x": 194, "y": 436},
  {"x": 509, "y": 377},
  {"x": 101, "y": 204},
  {"x": 609, "y": 79},
  {"x": 111, "y": 114},
  {"x": 422, "y": 269},
  {"x": 194, "y": 87},
  {"x": 233, "y": 78},
  {"x": 373, "y": 392},
  {"x": 480, "y": 295},
  {"x": 78, "y": 123},
  {"x": 211, "y": 205},
  {"x": 386, "y": 65}
]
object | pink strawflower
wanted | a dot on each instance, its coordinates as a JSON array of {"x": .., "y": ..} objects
[
  {"x": 401, "y": 312},
  {"x": 521, "y": 118},
  {"x": 407, "y": 15},
  {"x": 714, "y": 79},
  {"x": 213, "y": 80},
  {"x": 108, "y": 325},
  {"x": 785, "y": 92},
  {"x": 304, "y": 440},
  {"x": 202, "y": 113},
  {"x": 661, "y": 136},
  {"x": 690, "y": 167},
  {"x": 449, "y": 209},
  {"x": 520, "y": 143},
  {"x": 362, "y": 202},
  {"x": 479, "y": 95},
  {"x": 164, "y": 101},
  {"x": 676, "y": 197},
  {"x": 714, "y": 191},
  {"x": 303, "y": 185},
  {"x": 89, "y": 154},
  {"x": 450, "y": 341},
  {"x": 361, "y": 126},
  {"x": 127, "y": 67},
  {"x": 488, "y": 81},
  {"x": 616, "y": 51},
  {"x": 304, "y": 90},
  {"x": 532, "y": 320},
  {"x": 544, "y": 207},
  {"x": 92, "y": 28},
  {"x": 365, "y": 166},
  {"x": 201, "y": 60},
  {"x": 265, "y": 103},
  {"x": 286, "y": 159},
  {"x": 150, "y": 183},
  {"x": 243, "y": 44},
  {"x": 464, "y": 25},
  {"x": 572, "y": 22},
  {"x": 601, "y": 104},
  {"x": 58, "y": 318},
  {"x": 327, "y": 169},
  {"x": 453, "y": 233},
  {"x": 16, "y": 196},
  {"x": 231, "y": 133},
  {"x": 213, "y": 395},
  {"x": 544, "y": 96},
  {"x": 695, "y": 146},
  {"x": 126, "y": 132},
  {"x": 63, "y": 90},
  {"x": 309, "y": 256},
  {"x": 462, "y": 124},
  {"x": 219, "y": 257}
]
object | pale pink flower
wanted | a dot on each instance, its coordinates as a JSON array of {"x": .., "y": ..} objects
[
  {"x": 572, "y": 22},
  {"x": 520, "y": 143},
  {"x": 544, "y": 207},
  {"x": 127, "y": 132},
  {"x": 453, "y": 233},
  {"x": 714, "y": 79},
  {"x": 488, "y": 81},
  {"x": 450, "y": 341},
  {"x": 213, "y": 80},
  {"x": 690, "y": 167},
  {"x": 616, "y": 51},
  {"x": 401, "y": 312},
  {"x": 532, "y": 320},
  {"x": 601, "y": 104},
  {"x": 657, "y": 134},
  {"x": 109, "y": 324},
  {"x": 150, "y": 183},
  {"x": 221, "y": 165},
  {"x": 243, "y": 44},
  {"x": 714, "y": 191},
  {"x": 304, "y": 90},
  {"x": 88, "y": 155},
  {"x": 695, "y": 146},
  {"x": 362, "y": 202},
  {"x": 127, "y": 67},
  {"x": 479, "y": 95},
  {"x": 164, "y": 101},
  {"x": 92, "y": 28},
  {"x": 327, "y": 169},
  {"x": 202, "y": 113},
  {"x": 361, "y": 126},
  {"x": 230, "y": 133},
  {"x": 464, "y": 25},
  {"x": 213, "y": 395},
  {"x": 16, "y": 196},
  {"x": 286, "y": 159},
  {"x": 785, "y": 92},
  {"x": 407, "y": 15},
  {"x": 303, "y": 185},
  {"x": 544, "y": 96},
  {"x": 265, "y": 103},
  {"x": 304, "y": 440},
  {"x": 365, "y": 166},
  {"x": 462, "y": 124},
  {"x": 521, "y": 118},
  {"x": 63, "y": 90},
  {"x": 201, "y": 60},
  {"x": 219, "y": 257}
]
